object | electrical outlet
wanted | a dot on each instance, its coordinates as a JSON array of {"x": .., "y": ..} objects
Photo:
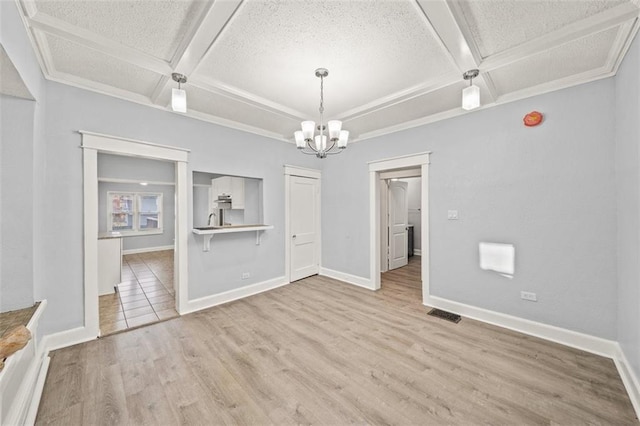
[
  {"x": 526, "y": 295},
  {"x": 246, "y": 275},
  {"x": 452, "y": 214}
]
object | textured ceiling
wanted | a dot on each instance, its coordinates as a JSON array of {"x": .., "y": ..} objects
[
  {"x": 11, "y": 83},
  {"x": 392, "y": 64}
]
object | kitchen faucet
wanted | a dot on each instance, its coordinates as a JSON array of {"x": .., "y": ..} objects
[{"x": 209, "y": 220}]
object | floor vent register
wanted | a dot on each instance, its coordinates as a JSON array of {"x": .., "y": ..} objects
[{"x": 455, "y": 318}]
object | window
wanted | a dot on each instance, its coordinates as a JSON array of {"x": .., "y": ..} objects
[{"x": 137, "y": 213}]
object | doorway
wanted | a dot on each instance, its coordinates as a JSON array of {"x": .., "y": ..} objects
[
  {"x": 416, "y": 165},
  {"x": 136, "y": 242},
  {"x": 93, "y": 144},
  {"x": 302, "y": 222}
]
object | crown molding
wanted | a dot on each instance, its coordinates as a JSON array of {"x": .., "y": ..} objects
[
  {"x": 443, "y": 18},
  {"x": 142, "y": 100},
  {"x": 583, "y": 78},
  {"x": 622, "y": 44}
]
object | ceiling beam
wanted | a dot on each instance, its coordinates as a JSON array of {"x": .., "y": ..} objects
[
  {"x": 456, "y": 39},
  {"x": 398, "y": 97},
  {"x": 622, "y": 44},
  {"x": 195, "y": 49},
  {"x": 246, "y": 97},
  {"x": 593, "y": 24}
]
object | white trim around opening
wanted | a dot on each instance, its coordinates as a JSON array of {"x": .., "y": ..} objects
[
  {"x": 92, "y": 144},
  {"x": 384, "y": 167}
]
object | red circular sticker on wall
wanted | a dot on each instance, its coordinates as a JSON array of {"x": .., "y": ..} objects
[{"x": 532, "y": 119}]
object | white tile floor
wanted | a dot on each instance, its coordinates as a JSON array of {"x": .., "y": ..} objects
[{"x": 145, "y": 296}]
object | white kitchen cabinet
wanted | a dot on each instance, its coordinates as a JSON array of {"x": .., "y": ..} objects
[
  {"x": 109, "y": 263},
  {"x": 229, "y": 185}
]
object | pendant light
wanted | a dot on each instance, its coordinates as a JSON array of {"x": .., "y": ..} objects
[
  {"x": 179, "y": 96},
  {"x": 318, "y": 144},
  {"x": 471, "y": 94}
]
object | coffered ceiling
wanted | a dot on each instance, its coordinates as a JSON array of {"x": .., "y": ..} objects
[{"x": 392, "y": 64}]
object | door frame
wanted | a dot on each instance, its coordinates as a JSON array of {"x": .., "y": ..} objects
[
  {"x": 390, "y": 168},
  {"x": 308, "y": 173},
  {"x": 94, "y": 143}
]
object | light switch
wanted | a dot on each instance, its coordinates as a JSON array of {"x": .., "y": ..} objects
[{"x": 452, "y": 215}]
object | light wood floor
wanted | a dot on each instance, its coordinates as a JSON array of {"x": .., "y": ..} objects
[
  {"x": 323, "y": 352},
  {"x": 409, "y": 276}
]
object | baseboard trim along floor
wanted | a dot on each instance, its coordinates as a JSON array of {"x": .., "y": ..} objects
[
  {"x": 347, "y": 278},
  {"x": 235, "y": 294}
]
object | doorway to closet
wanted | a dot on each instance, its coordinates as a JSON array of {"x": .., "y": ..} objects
[
  {"x": 400, "y": 232},
  {"x": 380, "y": 173}
]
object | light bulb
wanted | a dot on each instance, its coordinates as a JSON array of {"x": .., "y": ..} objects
[
  {"x": 308, "y": 128},
  {"x": 300, "y": 143},
  {"x": 344, "y": 138},
  {"x": 334, "y": 129}
]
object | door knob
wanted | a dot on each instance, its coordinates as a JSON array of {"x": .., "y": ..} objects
[{"x": 293, "y": 237}]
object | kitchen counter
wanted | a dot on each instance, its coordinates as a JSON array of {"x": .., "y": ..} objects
[
  {"x": 209, "y": 231},
  {"x": 108, "y": 235}
]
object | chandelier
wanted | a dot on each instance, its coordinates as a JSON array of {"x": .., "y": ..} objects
[{"x": 318, "y": 144}]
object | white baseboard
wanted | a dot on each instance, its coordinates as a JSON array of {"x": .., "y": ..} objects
[
  {"x": 67, "y": 338},
  {"x": 574, "y": 339},
  {"x": 235, "y": 294},
  {"x": 348, "y": 278},
  {"x": 417, "y": 252},
  {"x": 629, "y": 378},
  {"x": 37, "y": 392},
  {"x": 147, "y": 249}
]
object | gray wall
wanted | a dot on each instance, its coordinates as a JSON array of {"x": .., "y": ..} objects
[
  {"x": 16, "y": 183},
  {"x": 141, "y": 170},
  {"x": 628, "y": 185},
  {"x": 22, "y": 148},
  {"x": 214, "y": 149},
  {"x": 549, "y": 190}
]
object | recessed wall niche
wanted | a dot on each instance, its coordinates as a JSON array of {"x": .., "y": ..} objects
[{"x": 225, "y": 200}]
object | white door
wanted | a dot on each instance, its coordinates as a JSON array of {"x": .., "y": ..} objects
[
  {"x": 398, "y": 224},
  {"x": 304, "y": 217}
]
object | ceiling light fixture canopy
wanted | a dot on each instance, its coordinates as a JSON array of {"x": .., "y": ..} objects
[
  {"x": 471, "y": 94},
  {"x": 179, "y": 96},
  {"x": 318, "y": 144}
]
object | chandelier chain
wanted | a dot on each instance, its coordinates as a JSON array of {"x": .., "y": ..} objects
[{"x": 321, "y": 95}]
